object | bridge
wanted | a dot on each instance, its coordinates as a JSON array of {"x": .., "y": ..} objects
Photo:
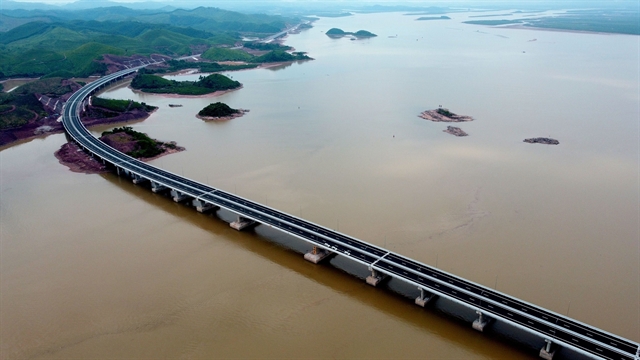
[{"x": 557, "y": 330}]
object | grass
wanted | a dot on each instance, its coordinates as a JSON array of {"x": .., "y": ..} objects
[
  {"x": 120, "y": 105},
  {"x": 222, "y": 54},
  {"x": 145, "y": 146}
]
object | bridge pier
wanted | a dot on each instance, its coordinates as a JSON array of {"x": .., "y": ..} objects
[
  {"x": 137, "y": 179},
  {"x": 202, "y": 206},
  {"x": 424, "y": 298},
  {"x": 317, "y": 255},
  {"x": 158, "y": 188},
  {"x": 480, "y": 323},
  {"x": 242, "y": 223},
  {"x": 375, "y": 278},
  {"x": 548, "y": 350},
  {"x": 178, "y": 196}
]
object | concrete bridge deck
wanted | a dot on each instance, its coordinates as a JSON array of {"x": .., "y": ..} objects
[{"x": 555, "y": 329}]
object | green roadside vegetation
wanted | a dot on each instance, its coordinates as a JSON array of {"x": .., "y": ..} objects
[
  {"x": 145, "y": 147},
  {"x": 21, "y": 105},
  {"x": 217, "y": 110},
  {"x": 205, "y": 85},
  {"x": 120, "y": 105}
]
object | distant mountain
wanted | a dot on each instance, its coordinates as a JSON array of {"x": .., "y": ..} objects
[{"x": 143, "y": 5}]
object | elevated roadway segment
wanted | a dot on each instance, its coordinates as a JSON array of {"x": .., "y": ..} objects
[{"x": 555, "y": 329}]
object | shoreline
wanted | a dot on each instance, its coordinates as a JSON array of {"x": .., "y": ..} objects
[
  {"x": 175, "y": 96},
  {"x": 240, "y": 113}
]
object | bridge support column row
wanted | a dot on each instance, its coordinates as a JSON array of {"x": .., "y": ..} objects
[
  {"x": 375, "y": 278},
  {"x": 548, "y": 350},
  {"x": 242, "y": 223},
  {"x": 137, "y": 179},
  {"x": 481, "y": 322},
  {"x": 202, "y": 206},
  {"x": 317, "y": 255},
  {"x": 424, "y": 298},
  {"x": 177, "y": 196},
  {"x": 158, "y": 188}
]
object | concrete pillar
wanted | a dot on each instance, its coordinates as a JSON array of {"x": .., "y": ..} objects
[
  {"x": 424, "y": 298},
  {"x": 548, "y": 350},
  {"x": 178, "y": 196},
  {"x": 316, "y": 255},
  {"x": 242, "y": 223},
  {"x": 480, "y": 323},
  {"x": 118, "y": 170},
  {"x": 137, "y": 179},
  {"x": 158, "y": 188},
  {"x": 375, "y": 278},
  {"x": 202, "y": 206}
]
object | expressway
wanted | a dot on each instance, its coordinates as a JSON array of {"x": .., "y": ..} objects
[{"x": 551, "y": 326}]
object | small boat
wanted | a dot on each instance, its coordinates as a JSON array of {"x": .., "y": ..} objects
[{"x": 175, "y": 105}]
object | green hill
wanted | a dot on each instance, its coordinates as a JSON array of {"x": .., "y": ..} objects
[
  {"x": 205, "y": 85},
  {"x": 217, "y": 110},
  {"x": 280, "y": 56},
  {"x": 50, "y": 46},
  {"x": 222, "y": 54}
]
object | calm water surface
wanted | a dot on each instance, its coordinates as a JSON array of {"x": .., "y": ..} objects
[{"x": 92, "y": 266}]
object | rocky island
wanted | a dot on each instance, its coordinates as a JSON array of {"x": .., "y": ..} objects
[
  {"x": 338, "y": 33},
  {"x": 219, "y": 111},
  {"x": 205, "y": 85},
  {"x": 124, "y": 139},
  {"x": 542, "y": 140},
  {"x": 444, "y": 115},
  {"x": 455, "y": 131}
]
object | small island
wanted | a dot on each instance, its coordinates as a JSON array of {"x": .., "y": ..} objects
[
  {"x": 137, "y": 144},
  {"x": 123, "y": 139},
  {"x": 219, "y": 111},
  {"x": 205, "y": 85},
  {"x": 426, "y": 18},
  {"x": 444, "y": 115},
  {"x": 336, "y": 33},
  {"x": 542, "y": 140},
  {"x": 455, "y": 131},
  {"x": 105, "y": 111}
]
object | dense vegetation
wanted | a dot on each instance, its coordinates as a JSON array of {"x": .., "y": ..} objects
[
  {"x": 222, "y": 54},
  {"x": 266, "y": 46},
  {"x": 21, "y": 105},
  {"x": 336, "y": 33},
  {"x": 445, "y": 112},
  {"x": 120, "y": 105},
  {"x": 67, "y": 45},
  {"x": 205, "y": 67},
  {"x": 205, "y": 85},
  {"x": 146, "y": 147},
  {"x": 217, "y": 54},
  {"x": 280, "y": 56},
  {"x": 218, "y": 110}
]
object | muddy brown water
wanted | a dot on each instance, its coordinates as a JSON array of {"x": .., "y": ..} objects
[{"x": 93, "y": 266}]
